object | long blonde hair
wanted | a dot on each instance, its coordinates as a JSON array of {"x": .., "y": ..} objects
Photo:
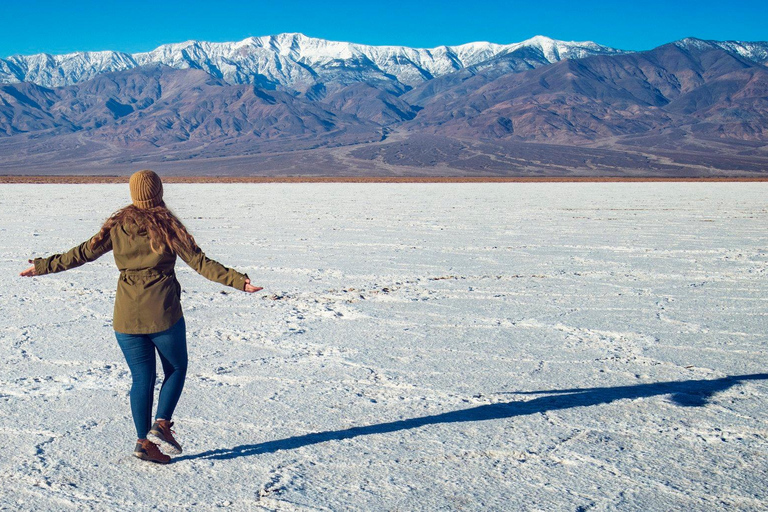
[{"x": 166, "y": 232}]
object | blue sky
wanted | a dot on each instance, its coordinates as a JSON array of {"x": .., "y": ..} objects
[{"x": 61, "y": 27}]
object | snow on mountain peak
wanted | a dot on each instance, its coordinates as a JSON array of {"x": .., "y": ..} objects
[
  {"x": 284, "y": 59},
  {"x": 555, "y": 50},
  {"x": 755, "y": 51},
  {"x": 291, "y": 59},
  {"x": 693, "y": 42}
]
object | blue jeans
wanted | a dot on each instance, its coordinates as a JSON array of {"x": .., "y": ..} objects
[{"x": 139, "y": 352}]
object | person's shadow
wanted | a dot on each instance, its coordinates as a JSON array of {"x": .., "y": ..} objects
[{"x": 688, "y": 393}]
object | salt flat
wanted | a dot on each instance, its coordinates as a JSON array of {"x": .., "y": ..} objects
[{"x": 416, "y": 347}]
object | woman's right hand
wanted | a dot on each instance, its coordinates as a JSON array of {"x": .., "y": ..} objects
[
  {"x": 250, "y": 289},
  {"x": 30, "y": 271}
]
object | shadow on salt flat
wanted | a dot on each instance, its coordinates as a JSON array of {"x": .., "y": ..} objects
[{"x": 689, "y": 393}]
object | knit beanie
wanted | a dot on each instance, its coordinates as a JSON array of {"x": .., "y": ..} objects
[{"x": 146, "y": 189}]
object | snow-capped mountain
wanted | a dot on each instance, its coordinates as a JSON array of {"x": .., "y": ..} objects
[
  {"x": 753, "y": 51},
  {"x": 58, "y": 70},
  {"x": 285, "y": 102},
  {"x": 289, "y": 60}
]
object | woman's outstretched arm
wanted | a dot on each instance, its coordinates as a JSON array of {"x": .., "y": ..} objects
[
  {"x": 74, "y": 257},
  {"x": 217, "y": 272}
]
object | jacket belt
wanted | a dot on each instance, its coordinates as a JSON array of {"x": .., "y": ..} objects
[{"x": 145, "y": 272}]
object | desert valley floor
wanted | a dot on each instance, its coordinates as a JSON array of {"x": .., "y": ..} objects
[{"x": 504, "y": 346}]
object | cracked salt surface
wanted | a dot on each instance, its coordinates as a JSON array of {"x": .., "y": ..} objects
[{"x": 440, "y": 346}]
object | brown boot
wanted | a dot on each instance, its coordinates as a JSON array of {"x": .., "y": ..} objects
[
  {"x": 147, "y": 450},
  {"x": 162, "y": 434}
]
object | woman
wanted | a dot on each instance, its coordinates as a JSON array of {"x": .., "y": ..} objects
[{"x": 145, "y": 238}]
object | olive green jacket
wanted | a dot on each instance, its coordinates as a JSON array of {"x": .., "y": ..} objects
[{"x": 148, "y": 293}]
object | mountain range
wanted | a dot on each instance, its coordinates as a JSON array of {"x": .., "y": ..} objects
[{"x": 294, "y": 105}]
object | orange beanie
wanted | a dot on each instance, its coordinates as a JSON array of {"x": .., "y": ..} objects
[{"x": 146, "y": 189}]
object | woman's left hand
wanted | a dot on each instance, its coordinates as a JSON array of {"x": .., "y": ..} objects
[
  {"x": 249, "y": 288},
  {"x": 30, "y": 271}
]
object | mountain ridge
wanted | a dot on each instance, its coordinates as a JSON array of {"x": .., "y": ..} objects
[
  {"x": 280, "y": 60},
  {"x": 687, "y": 107}
]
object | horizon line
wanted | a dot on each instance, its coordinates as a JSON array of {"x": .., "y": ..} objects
[{"x": 101, "y": 179}]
